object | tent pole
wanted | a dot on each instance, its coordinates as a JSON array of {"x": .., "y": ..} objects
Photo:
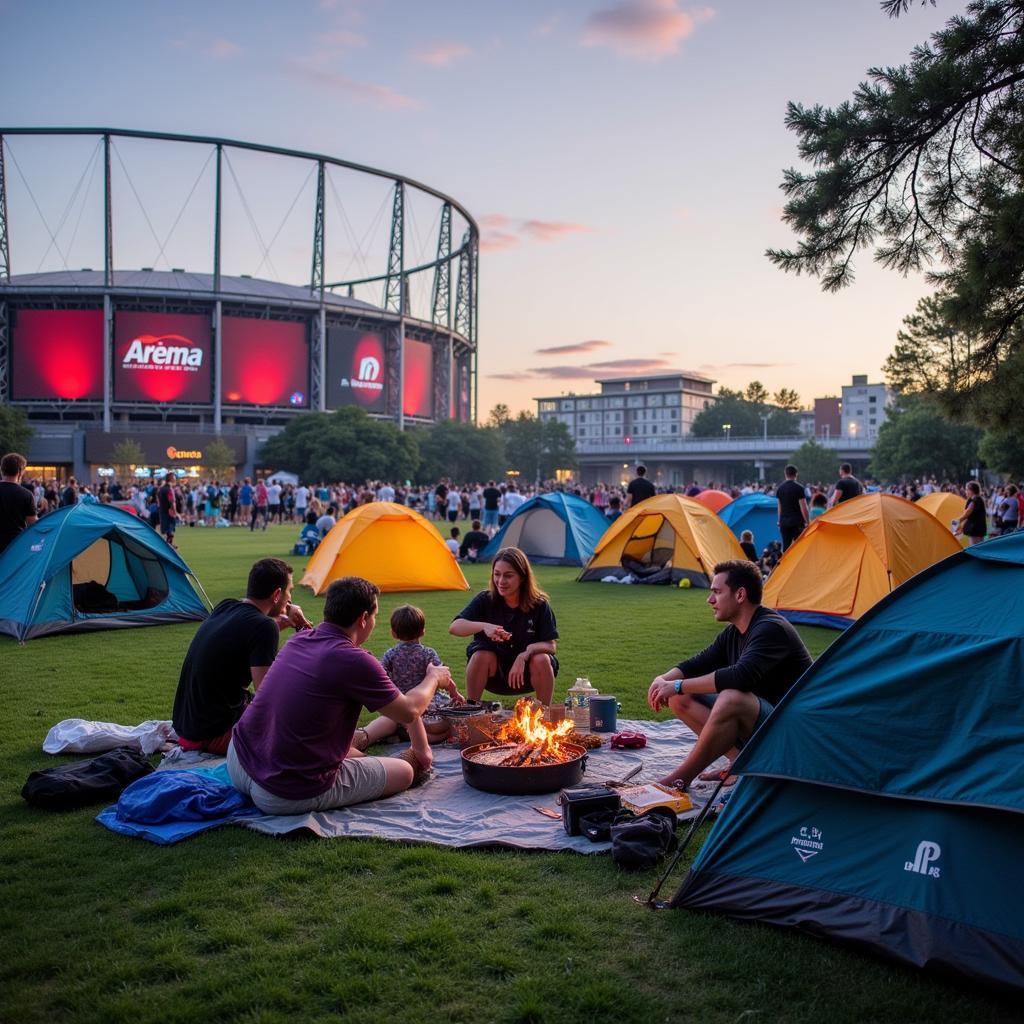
[{"x": 652, "y": 901}]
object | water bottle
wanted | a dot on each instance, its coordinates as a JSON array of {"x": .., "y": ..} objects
[{"x": 578, "y": 703}]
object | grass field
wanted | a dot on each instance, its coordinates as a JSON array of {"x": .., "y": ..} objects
[{"x": 236, "y": 926}]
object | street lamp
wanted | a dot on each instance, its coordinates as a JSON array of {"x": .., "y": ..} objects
[
  {"x": 726, "y": 429},
  {"x": 764, "y": 420}
]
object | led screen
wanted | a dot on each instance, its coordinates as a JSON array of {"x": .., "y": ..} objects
[
  {"x": 264, "y": 362},
  {"x": 162, "y": 357},
  {"x": 355, "y": 369},
  {"x": 57, "y": 353},
  {"x": 418, "y": 397}
]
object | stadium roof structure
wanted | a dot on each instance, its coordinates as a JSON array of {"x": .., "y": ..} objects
[{"x": 181, "y": 282}]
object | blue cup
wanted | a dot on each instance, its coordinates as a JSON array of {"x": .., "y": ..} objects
[{"x": 603, "y": 714}]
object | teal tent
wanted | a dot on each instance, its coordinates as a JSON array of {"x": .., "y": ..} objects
[
  {"x": 92, "y": 566},
  {"x": 553, "y": 529},
  {"x": 758, "y": 513},
  {"x": 882, "y": 803}
]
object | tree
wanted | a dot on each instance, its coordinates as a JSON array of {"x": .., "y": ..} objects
[
  {"x": 535, "y": 449},
  {"x": 461, "y": 451},
  {"x": 743, "y": 415},
  {"x": 1003, "y": 452},
  {"x": 127, "y": 455},
  {"x": 343, "y": 445},
  {"x": 499, "y": 415},
  {"x": 15, "y": 432},
  {"x": 219, "y": 459},
  {"x": 786, "y": 399},
  {"x": 925, "y": 165},
  {"x": 917, "y": 441},
  {"x": 815, "y": 463}
]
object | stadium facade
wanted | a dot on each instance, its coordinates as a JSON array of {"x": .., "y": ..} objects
[{"x": 172, "y": 359}]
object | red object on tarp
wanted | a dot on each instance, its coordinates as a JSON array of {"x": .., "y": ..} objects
[{"x": 628, "y": 741}]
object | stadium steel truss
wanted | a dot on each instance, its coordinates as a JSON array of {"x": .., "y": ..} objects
[{"x": 449, "y": 326}]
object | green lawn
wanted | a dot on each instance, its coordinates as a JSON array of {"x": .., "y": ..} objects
[{"x": 236, "y": 926}]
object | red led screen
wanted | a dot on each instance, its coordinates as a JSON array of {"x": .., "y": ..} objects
[
  {"x": 162, "y": 357},
  {"x": 57, "y": 353},
  {"x": 264, "y": 362},
  {"x": 418, "y": 399},
  {"x": 355, "y": 369}
]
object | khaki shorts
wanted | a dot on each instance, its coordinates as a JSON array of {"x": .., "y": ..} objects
[{"x": 359, "y": 779}]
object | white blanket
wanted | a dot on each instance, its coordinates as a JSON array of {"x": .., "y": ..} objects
[{"x": 77, "y": 736}]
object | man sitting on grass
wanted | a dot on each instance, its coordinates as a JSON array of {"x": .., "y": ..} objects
[
  {"x": 233, "y": 647},
  {"x": 292, "y": 750},
  {"x": 727, "y": 691}
]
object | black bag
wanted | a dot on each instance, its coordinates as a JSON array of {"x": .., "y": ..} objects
[
  {"x": 81, "y": 783},
  {"x": 639, "y": 842},
  {"x": 578, "y": 801}
]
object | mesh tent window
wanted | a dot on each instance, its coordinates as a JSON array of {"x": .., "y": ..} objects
[{"x": 116, "y": 574}]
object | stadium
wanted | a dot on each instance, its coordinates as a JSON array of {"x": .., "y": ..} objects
[{"x": 151, "y": 289}]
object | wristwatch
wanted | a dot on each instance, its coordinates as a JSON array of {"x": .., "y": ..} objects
[{"x": 679, "y": 686}]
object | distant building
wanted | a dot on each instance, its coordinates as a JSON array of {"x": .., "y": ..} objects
[
  {"x": 632, "y": 409},
  {"x": 864, "y": 407},
  {"x": 828, "y": 417}
]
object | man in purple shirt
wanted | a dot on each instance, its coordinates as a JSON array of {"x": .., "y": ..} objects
[{"x": 291, "y": 751}]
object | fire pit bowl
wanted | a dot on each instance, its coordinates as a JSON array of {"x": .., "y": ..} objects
[{"x": 480, "y": 770}]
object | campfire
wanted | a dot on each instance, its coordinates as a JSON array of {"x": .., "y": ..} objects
[{"x": 535, "y": 741}]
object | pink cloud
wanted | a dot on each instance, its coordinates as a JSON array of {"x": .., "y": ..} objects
[
  {"x": 442, "y": 55},
  {"x": 588, "y": 371},
  {"x": 549, "y": 230},
  {"x": 223, "y": 49},
  {"x": 579, "y": 346},
  {"x": 630, "y": 365},
  {"x": 497, "y": 241},
  {"x": 646, "y": 29},
  {"x": 369, "y": 93}
]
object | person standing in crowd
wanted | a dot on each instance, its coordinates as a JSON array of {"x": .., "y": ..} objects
[
  {"x": 973, "y": 524},
  {"x": 261, "y": 502},
  {"x": 454, "y": 504},
  {"x": 847, "y": 486},
  {"x": 792, "y": 502},
  {"x": 273, "y": 501},
  {"x": 639, "y": 488},
  {"x": 301, "y": 502},
  {"x": 245, "y": 494},
  {"x": 1007, "y": 511},
  {"x": 167, "y": 506},
  {"x": 233, "y": 501},
  {"x": 492, "y": 499},
  {"x": 17, "y": 505},
  {"x": 69, "y": 496}
]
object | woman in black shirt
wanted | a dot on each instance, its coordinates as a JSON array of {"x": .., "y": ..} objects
[
  {"x": 513, "y": 630},
  {"x": 973, "y": 524}
]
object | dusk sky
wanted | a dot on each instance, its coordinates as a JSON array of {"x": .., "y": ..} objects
[{"x": 622, "y": 158}]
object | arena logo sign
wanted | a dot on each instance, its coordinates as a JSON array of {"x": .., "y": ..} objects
[
  {"x": 172, "y": 352},
  {"x": 179, "y": 453},
  {"x": 368, "y": 376}
]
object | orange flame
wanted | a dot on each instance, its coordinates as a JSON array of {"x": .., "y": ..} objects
[{"x": 527, "y": 726}]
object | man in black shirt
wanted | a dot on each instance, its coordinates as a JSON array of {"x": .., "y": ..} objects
[
  {"x": 492, "y": 497},
  {"x": 17, "y": 503},
  {"x": 847, "y": 486},
  {"x": 473, "y": 543},
  {"x": 235, "y": 645},
  {"x": 640, "y": 488},
  {"x": 793, "y": 514},
  {"x": 167, "y": 505},
  {"x": 727, "y": 691},
  {"x": 69, "y": 496}
]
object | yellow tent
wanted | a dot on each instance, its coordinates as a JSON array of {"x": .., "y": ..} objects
[
  {"x": 388, "y": 544},
  {"x": 665, "y": 532},
  {"x": 944, "y": 506},
  {"x": 852, "y": 556}
]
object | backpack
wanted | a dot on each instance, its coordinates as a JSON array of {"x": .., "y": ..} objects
[
  {"x": 639, "y": 842},
  {"x": 69, "y": 786}
]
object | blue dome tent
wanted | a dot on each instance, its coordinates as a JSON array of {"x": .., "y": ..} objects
[
  {"x": 92, "y": 566},
  {"x": 553, "y": 529},
  {"x": 882, "y": 804},
  {"x": 758, "y": 513}
]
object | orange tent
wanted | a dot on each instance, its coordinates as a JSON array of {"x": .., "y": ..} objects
[
  {"x": 944, "y": 506},
  {"x": 667, "y": 531},
  {"x": 712, "y": 499},
  {"x": 852, "y": 556},
  {"x": 388, "y": 544}
]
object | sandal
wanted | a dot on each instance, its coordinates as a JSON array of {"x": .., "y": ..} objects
[
  {"x": 420, "y": 774},
  {"x": 716, "y": 774},
  {"x": 360, "y": 739}
]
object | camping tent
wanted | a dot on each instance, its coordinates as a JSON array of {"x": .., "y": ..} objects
[
  {"x": 713, "y": 499},
  {"x": 758, "y": 513},
  {"x": 944, "y": 506},
  {"x": 667, "y": 531},
  {"x": 388, "y": 544},
  {"x": 553, "y": 529},
  {"x": 852, "y": 556},
  {"x": 882, "y": 803},
  {"x": 90, "y": 566}
]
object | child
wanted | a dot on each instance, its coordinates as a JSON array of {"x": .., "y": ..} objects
[
  {"x": 453, "y": 544},
  {"x": 406, "y": 663},
  {"x": 747, "y": 543}
]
